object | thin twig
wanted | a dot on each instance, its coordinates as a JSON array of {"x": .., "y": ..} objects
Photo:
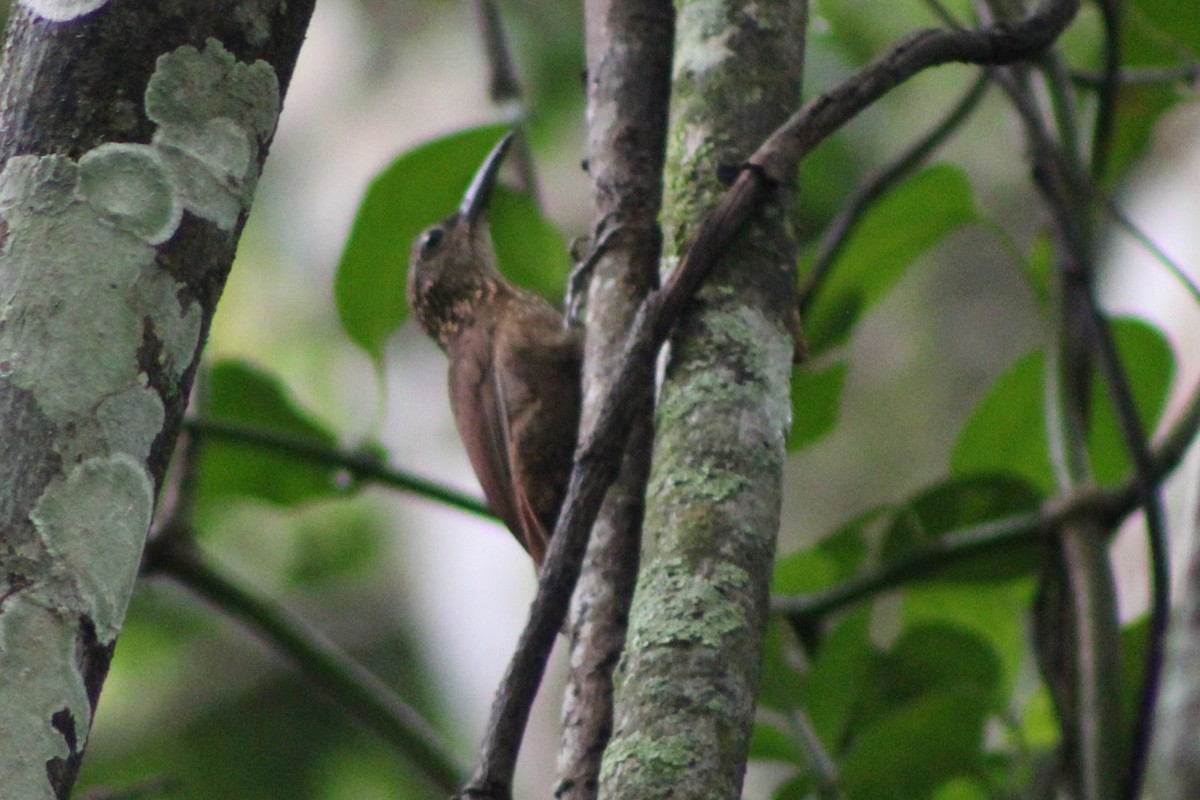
[
  {"x": 1152, "y": 247},
  {"x": 1110, "y": 84},
  {"x": 1188, "y": 73},
  {"x": 360, "y": 465},
  {"x": 995, "y": 44},
  {"x": 1150, "y": 499},
  {"x": 1110, "y": 505},
  {"x": 599, "y": 453},
  {"x": 629, "y": 46},
  {"x": 1066, "y": 188},
  {"x": 504, "y": 87},
  {"x": 878, "y": 184},
  {"x": 318, "y": 659}
]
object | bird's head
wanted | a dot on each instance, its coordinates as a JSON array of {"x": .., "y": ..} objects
[{"x": 452, "y": 270}]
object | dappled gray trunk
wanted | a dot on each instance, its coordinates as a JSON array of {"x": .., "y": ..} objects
[
  {"x": 132, "y": 141},
  {"x": 686, "y": 686}
]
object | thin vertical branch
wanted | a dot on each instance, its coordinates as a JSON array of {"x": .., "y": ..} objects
[
  {"x": 629, "y": 65},
  {"x": 504, "y": 87},
  {"x": 880, "y": 183},
  {"x": 1109, "y": 86}
]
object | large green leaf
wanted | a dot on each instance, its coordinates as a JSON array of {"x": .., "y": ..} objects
[
  {"x": 961, "y": 503},
  {"x": 416, "y": 190},
  {"x": 929, "y": 657},
  {"x": 908, "y": 753},
  {"x": 1150, "y": 365},
  {"x": 1007, "y": 431},
  {"x": 241, "y": 393},
  {"x": 1170, "y": 20},
  {"x": 996, "y": 615},
  {"x": 816, "y": 396},
  {"x": 781, "y": 685},
  {"x": 844, "y": 665},
  {"x": 886, "y": 241},
  {"x": 768, "y": 743}
]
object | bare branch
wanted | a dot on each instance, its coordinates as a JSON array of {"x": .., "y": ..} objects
[
  {"x": 629, "y": 65},
  {"x": 360, "y": 465}
]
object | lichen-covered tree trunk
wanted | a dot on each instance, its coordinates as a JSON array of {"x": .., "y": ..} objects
[
  {"x": 685, "y": 689},
  {"x": 133, "y": 135}
]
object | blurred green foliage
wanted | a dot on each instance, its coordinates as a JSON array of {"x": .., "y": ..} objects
[{"x": 914, "y": 693}]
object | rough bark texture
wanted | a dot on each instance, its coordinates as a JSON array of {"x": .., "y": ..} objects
[
  {"x": 131, "y": 138},
  {"x": 629, "y": 67},
  {"x": 686, "y": 685}
]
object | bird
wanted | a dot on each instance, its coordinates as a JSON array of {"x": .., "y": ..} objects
[{"x": 514, "y": 367}]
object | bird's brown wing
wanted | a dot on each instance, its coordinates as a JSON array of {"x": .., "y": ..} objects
[
  {"x": 479, "y": 413},
  {"x": 531, "y": 530}
]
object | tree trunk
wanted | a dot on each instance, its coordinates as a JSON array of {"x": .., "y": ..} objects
[
  {"x": 686, "y": 686},
  {"x": 132, "y": 141}
]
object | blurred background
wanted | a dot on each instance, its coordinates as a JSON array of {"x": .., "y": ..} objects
[{"x": 432, "y": 599}]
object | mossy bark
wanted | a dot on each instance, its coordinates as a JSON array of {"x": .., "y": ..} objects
[{"x": 686, "y": 686}]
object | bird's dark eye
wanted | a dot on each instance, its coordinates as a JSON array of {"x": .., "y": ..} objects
[{"x": 430, "y": 240}]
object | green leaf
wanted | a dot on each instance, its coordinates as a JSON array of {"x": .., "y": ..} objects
[
  {"x": 1167, "y": 20},
  {"x": 816, "y": 395},
  {"x": 804, "y": 571},
  {"x": 768, "y": 743},
  {"x": 243, "y": 394},
  {"x": 860, "y": 31},
  {"x": 837, "y": 557},
  {"x": 799, "y": 787},
  {"x": 930, "y": 657},
  {"x": 908, "y": 753},
  {"x": 416, "y": 190},
  {"x": 961, "y": 503},
  {"x": 889, "y": 238},
  {"x": 1135, "y": 644},
  {"x": 996, "y": 616},
  {"x": 843, "y": 666},
  {"x": 1154, "y": 33},
  {"x": 1007, "y": 431},
  {"x": 781, "y": 685},
  {"x": 332, "y": 543},
  {"x": 961, "y": 788}
]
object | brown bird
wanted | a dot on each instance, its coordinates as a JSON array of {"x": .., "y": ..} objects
[{"x": 514, "y": 365}]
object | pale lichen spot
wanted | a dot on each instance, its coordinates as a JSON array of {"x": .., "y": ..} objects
[
  {"x": 37, "y": 185},
  {"x": 699, "y": 54},
  {"x": 128, "y": 186},
  {"x": 212, "y": 166},
  {"x": 190, "y": 87},
  {"x": 254, "y": 17},
  {"x": 213, "y": 113},
  {"x": 93, "y": 524},
  {"x": 38, "y": 644},
  {"x": 130, "y": 420},
  {"x": 77, "y": 340},
  {"x": 695, "y": 609},
  {"x": 62, "y": 10}
]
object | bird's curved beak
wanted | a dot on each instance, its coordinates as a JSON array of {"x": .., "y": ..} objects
[{"x": 475, "y": 199}]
